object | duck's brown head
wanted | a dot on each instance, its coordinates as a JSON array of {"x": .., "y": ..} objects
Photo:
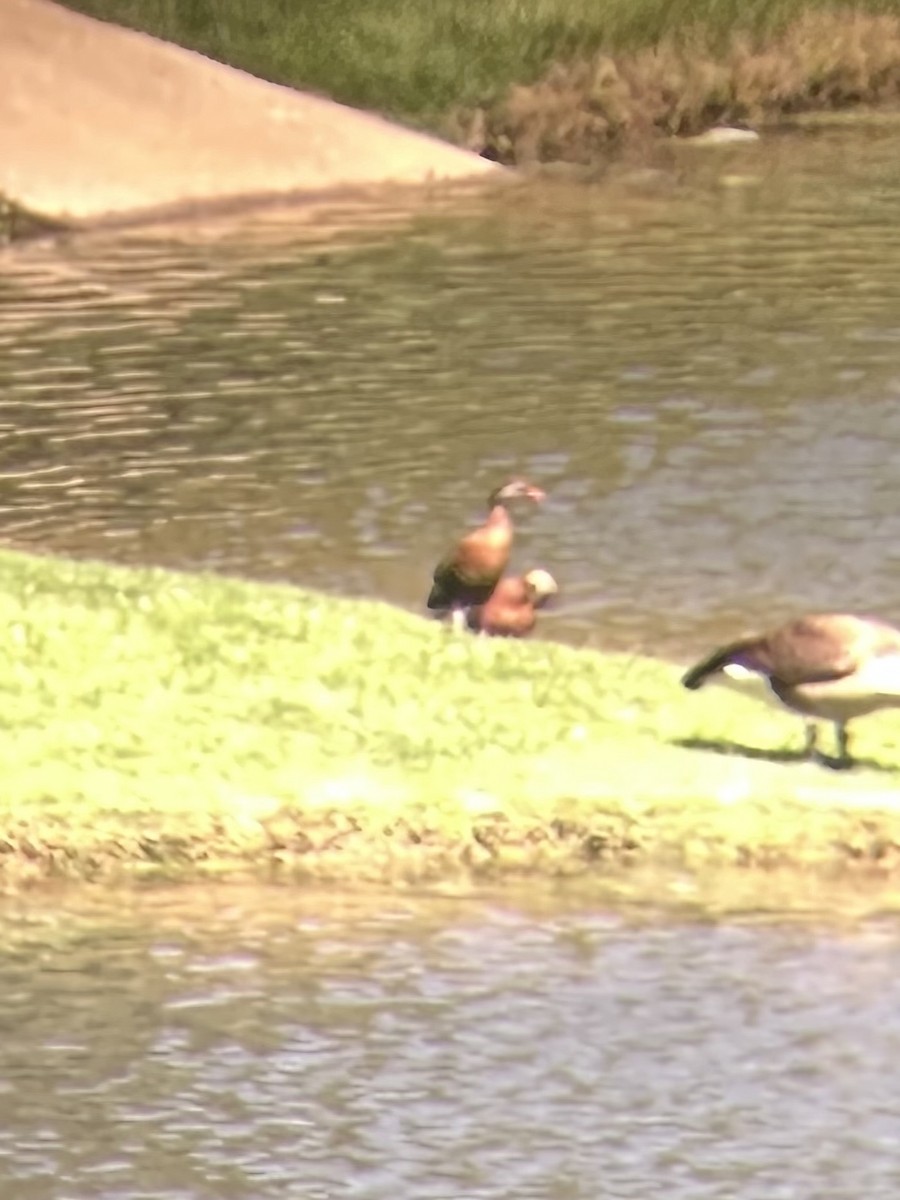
[
  {"x": 515, "y": 489},
  {"x": 541, "y": 586}
]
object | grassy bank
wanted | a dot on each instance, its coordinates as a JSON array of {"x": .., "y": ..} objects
[
  {"x": 551, "y": 79},
  {"x": 175, "y": 726}
]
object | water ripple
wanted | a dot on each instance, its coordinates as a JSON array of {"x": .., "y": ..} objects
[
  {"x": 705, "y": 380},
  {"x": 476, "y": 1053}
]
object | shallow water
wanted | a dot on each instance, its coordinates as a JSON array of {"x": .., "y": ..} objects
[
  {"x": 262, "y": 1044},
  {"x": 701, "y": 363}
]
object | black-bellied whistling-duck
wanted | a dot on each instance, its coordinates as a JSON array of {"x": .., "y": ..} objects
[
  {"x": 511, "y": 608},
  {"x": 469, "y": 573},
  {"x": 829, "y": 666}
]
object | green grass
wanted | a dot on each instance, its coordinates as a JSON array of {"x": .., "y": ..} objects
[
  {"x": 417, "y": 60},
  {"x": 175, "y": 724}
]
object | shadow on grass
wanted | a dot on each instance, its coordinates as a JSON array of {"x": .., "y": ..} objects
[{"x": 732, "y": 749}]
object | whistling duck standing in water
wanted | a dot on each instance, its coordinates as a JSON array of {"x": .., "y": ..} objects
[
  {"x": 828, "y": 666},
  {"x": 469, "y": 573},
  {"x": 511, "y": 608}
]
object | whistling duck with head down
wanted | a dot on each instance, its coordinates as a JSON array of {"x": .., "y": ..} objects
[
  {"x": 511, "y": 608},
  {"x": 825, "y": 666},
  {"x": 468, "y": 574}
]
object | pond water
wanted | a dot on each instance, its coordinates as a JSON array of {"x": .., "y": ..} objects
[
  {"x": 700, "y": 362},
  {"x": 255, "y": 1045}
]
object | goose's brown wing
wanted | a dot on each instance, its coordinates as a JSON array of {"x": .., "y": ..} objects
[{"x": 821, "y": 648}]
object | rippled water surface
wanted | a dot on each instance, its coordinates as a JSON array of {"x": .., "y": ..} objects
[
  {"x": 276, "y": 1045},
  {"x": 701, "y": 364}
]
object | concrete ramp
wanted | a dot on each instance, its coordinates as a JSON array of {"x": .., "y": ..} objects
[{"x": 98, "y": 120}]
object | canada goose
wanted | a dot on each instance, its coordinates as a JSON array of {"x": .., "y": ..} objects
[
  {"x": 468, "y": 574},
  {"x": 830, "y": 666}
]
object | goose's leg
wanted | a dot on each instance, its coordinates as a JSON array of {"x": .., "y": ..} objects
[
  {"x": 842, "y": 740},
  {"x": 458, "y": 620},
  {"x": 810, "y": 740}
]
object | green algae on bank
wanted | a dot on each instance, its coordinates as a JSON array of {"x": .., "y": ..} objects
[
  {"x": 175, "y": 725},
  {"x": 17, "y": 223}
]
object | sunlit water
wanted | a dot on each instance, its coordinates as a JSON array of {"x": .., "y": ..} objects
[
  {"x": 290, "y": 1047},
  {"x": 702, "y": 366}
]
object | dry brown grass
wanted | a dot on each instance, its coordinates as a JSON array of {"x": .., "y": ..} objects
[{"x": 581, "y": 110}]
